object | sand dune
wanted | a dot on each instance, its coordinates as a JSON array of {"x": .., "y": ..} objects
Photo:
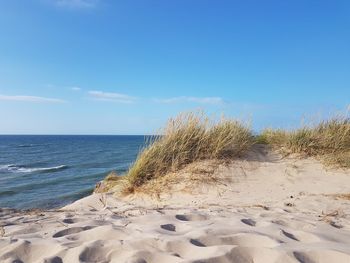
[{"x": 262, "y": 208}]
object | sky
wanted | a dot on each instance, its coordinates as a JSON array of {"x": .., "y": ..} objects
[{"x": 125, "y": 67}]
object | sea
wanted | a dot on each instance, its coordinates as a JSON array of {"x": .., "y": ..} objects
[{"x": 49, "y": 171}]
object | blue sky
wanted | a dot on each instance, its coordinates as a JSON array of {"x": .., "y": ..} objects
[{"x": 124, "y": 67}]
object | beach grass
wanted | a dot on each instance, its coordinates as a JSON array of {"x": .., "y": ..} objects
[
  {"x": 193, "y": 137},
  {"x": 329, "y": 140},
  {"x": 188, "y": 138}
]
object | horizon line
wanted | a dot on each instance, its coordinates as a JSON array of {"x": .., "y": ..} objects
[{"x": 64, "y": 134}]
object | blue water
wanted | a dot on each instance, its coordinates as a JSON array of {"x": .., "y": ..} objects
[{"x": 50, "y": 171}]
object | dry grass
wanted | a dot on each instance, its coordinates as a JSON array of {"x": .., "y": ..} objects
[
  {"x": 340, "y": 196},
  {"x": 329, "y": 140},
  {"x": 273, "y": 137},
  {"x": 193, "y": 137},
  {"x": 109, "y": 182},
  {"x": 188, "y": 138},
  {"x": 186, "y": 180}
]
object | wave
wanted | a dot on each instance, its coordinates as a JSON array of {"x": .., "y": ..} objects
[
  {"x": 26, "y": 145},
  {"x": 32, "y": 145},
  {"x": 22, "y": 169}
]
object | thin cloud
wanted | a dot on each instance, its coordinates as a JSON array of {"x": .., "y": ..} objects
[
  {"x": 25, "y": 98},
  {"x": 76, "y": 4},
  {"x": 76, "y": 88},
  {"x": 114, "y": 97},
  {"x": 199, "y": 100}
]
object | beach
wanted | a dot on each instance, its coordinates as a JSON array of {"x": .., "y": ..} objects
[
  {"x": 174, "y": 131},
  {"x": 261, "y": 208}
]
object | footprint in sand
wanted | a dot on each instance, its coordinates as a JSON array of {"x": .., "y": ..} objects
[
  {"x": 335, "y": 224},
  {"x": 302, "y": 257},
  {"x": 324, "y": 255},
  {"x": 169, "y": 227},
  {"x": 289, "y": 235},
  {"x": 93, "y": 254},
  {"x": 279, "y": 222},
  {"x": 197, "y": 243},
  {"x": 72, "y": 230},
  {"x": 54, "y": 260},
  {"x": 70, "y": 220},
  {"x": 191, "y": 217},
  {"x": 248, "y": 221},
  {"x": 239, "y": 239}
]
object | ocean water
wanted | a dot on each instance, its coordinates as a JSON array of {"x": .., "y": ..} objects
[{"x": 50, "y": 171}]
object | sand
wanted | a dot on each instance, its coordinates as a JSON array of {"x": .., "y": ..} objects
[{"x": 263, "y": 208}]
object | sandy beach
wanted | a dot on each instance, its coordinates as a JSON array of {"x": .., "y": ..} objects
[
  {"x": 174, "y": 131},
  {"x": 263, "y": 208}
]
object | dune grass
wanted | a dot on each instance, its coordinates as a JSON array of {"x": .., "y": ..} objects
[
  {"x": 188, "y": 138},
  {"x": 275, "y": 137},
  {"x": 328, "y": 140},
  {"x": 192, "y": 137}
]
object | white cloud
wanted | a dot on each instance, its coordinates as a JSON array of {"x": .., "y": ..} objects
[
  {"x": 76, "y": 4},
  {"x": 200, "y": 100},
  {"x": 76, "y": 88},
  {"x": 108, "y": 96},
  {"x": 30, "y": 99}
]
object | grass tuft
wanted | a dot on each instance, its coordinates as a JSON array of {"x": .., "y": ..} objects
[
  {"x": 273, "y": 137},
  {"x": 329, "y": 140},
  {"x": 185, "y": 139}
]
